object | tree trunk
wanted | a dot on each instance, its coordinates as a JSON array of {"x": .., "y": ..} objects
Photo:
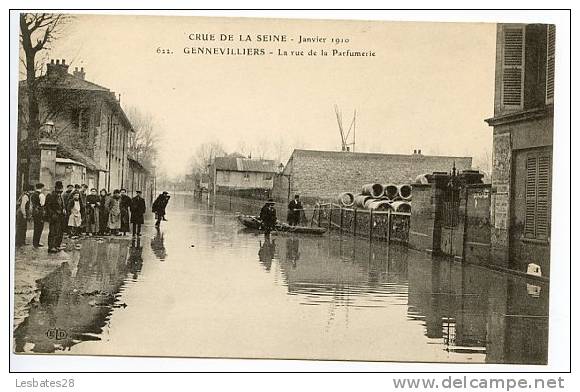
[{"x": 31, "y": 170}]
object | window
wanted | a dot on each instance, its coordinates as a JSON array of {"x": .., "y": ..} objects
[
  {"x": 246, "y": 176},
  {"x": 267, "y": 176},
  {"x": 538, "y": 178},
  {"x": 513, "y": 66},
  {"x": 550, "y": 62},
  {"x": 226, "y": 176}
]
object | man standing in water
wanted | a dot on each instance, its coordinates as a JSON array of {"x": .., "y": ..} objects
[
  {"x": 268, "y": 216},
  {"x": 159, "y": 206},
  {"x": 294, "y": 211}
]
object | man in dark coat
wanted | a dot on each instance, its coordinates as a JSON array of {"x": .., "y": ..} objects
[
  {"x": 137, "y": 211},
  {"x": 55, "y": 212},
  {"x": 159, "y": 206},
  {"x": 65, "y": 196},
  {"x": 294, "y": 211},
  {"x": 268, "y": 216},
  {"x": 37, "y": 201}
]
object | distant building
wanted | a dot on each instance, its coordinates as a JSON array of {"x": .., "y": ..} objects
[
  {"x": 233, "y": 173},
  {"x": 324, "y": 174},
  {"x": 90, "y": 127},
  {"x": 522, "y": 145}
]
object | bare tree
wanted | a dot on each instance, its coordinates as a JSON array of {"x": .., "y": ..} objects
[
  {"x": 37, "y": 31},
  {"x": 204, "y": 156},
  {"x": 143, "y": 144}
]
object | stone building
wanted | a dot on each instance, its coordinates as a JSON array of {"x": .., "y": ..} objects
[
  {"x": 324, "y": 174},
  {"x": 522, "y": 145},
  {"x": 90, "y": 127}
]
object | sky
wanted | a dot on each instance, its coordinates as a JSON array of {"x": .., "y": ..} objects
[{"x": 429, "y": 86}]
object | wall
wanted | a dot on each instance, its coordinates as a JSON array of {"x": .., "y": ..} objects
[
  {"x": 244, "y": 180},
  {"x": 469, "y": 238},
  {"x": 476, "y": 245},
  {"x": 70, "y": 173},
  {"x": 512, "y": 140},
  {"x": 325, "y": 174},
  {"x": 422, "y": 218}
]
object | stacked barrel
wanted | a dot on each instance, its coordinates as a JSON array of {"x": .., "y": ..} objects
[{"x": 379, "y": 197}]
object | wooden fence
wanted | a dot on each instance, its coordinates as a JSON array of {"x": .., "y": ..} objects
[{"x": 375, "y": 225}]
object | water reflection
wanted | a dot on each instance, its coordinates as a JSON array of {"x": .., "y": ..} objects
[
  {"x": 292, "y": 250},
  {"x": 76, "y": 299},
  {"x": 135, "y": 260},
  {"x": 158, "y": 245},
  {"x": 466, "y": 310},
  {"x": 361, "y": 300},
  {"x": 267, "y": 252}
]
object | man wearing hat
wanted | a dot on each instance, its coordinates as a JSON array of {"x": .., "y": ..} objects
[
  {"x": 294, "y": 211},
  {"x": 158, "y": 207},
  {"x": 137, "y": 210},
  {"x": 55, "y": 212},
  {"x": 268, "y": 216}
]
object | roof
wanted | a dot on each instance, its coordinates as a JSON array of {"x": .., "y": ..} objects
[
  {"x": 136, "y": 162},
  {"x": 71, "y": 82},
  {"x": 65, "y": 151},
  {"x": 343, "y": 154},
  {"x": 69, "y": 161},
  {"x": 245, "y": 164}
]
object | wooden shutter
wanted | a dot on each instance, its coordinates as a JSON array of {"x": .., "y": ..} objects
[
  {"x": 531, "y": 179},
  {"x": 550, "y": 62},
  {"x": 513, "y": 66},
  {"x": 538, "y": 178},
  {"x": 543, "y": 197}
]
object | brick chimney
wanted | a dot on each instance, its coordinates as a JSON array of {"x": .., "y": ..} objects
[
  {"x": 56, "y": 68},
  {"x": 79, "y": 74}
]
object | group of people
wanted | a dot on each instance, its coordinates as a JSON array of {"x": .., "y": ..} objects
[
  {"x": 268, "y": 215},
  {"x": 79, "y": 211}
]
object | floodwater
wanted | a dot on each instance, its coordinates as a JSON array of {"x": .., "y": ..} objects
[{"x": 202, "y": 286}]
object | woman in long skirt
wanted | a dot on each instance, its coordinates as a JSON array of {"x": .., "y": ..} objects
[
  {"x": 103, "y": 212},
  {"x": 115, "y": 213},
  {"x": 125, "y": 204},
  {"x": 92, "y": 213}
]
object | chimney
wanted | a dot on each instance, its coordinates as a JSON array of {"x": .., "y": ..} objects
[
  {"x": 419, "y": 152},
  {"x": 79, "y": 74},
  {"x": 56, "y": 69},
  {"x": 414, "y": 152}
]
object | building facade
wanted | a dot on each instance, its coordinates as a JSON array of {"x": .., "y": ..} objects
[
  {"x": 324, "y": 174},
  {"x": 522, "y": 146},
  {"x": 234, "y": 173},
  {"x": 90, "y": 127},
  {"x": 139, "y": 178}
]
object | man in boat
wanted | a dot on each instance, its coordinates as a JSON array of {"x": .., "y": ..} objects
[
  {"x": 294, "y": 211},
  {"x": 268, "y": 216}
]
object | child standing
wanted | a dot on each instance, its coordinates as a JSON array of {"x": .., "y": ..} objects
[{"x": 76, "y": 213}]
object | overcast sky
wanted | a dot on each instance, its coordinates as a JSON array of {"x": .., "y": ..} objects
[{"x": 430, "y": 85}]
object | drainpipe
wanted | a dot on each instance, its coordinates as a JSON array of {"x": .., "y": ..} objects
[{"x": 109, "y": 142}]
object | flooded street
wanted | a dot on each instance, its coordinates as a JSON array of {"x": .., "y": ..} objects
[{"x": 203, "y": 286}]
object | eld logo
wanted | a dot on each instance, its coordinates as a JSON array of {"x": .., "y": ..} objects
[{"x": 56, "y": 334}]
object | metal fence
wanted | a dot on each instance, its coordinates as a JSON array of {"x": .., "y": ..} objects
[{"x": 376, "y": 225}]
